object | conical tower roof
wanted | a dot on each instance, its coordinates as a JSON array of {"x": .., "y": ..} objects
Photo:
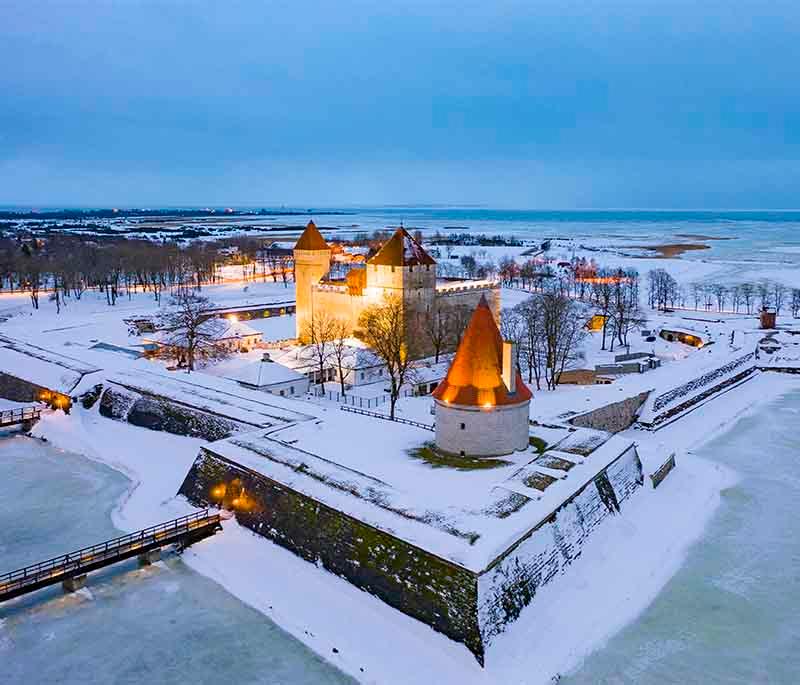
[
  {"x": 311, "y": 239},
  {"x": 475, "y": 377},
  {"x": 401, "y": 250}
]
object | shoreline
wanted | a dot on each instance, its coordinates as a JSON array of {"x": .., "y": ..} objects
[
  {"x": 669, "y": 250},
  {"x": 326, "y": 613}
]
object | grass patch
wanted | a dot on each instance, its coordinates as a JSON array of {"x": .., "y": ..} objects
[
  {"x": 436, "y": 459},
  {"x": 538, "y": 444}
]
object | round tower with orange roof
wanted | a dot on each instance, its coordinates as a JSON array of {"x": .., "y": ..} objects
[{"x": 483, "y": 405}]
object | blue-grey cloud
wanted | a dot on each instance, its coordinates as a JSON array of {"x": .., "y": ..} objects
[{"x": 635, "y": 103}]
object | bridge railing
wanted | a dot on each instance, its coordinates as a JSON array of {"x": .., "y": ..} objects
[
  {"x": 88, "y": 555},
  {"x": 17, "y": 415}
]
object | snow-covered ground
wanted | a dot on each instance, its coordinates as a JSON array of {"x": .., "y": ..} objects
[
  {"x": 621, "y": 570},
  {"x": 606, "y": 588}
]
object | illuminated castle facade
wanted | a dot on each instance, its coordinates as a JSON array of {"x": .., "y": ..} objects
[{"x": 401, "y": 268}]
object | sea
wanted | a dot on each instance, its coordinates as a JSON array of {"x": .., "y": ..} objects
[{"x": 757, "y": 236}]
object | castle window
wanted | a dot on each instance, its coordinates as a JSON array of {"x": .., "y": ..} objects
[
  {"x": 463, "y": 426},
  {"x": 410, "y": 268}
]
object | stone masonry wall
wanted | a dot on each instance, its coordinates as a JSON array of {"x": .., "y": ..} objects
[
  {"x": 512, "y": 581},
  {"x": 162, "y": 414},
  {"x": 614, "y": 417},
  {"x": 19, "y": 390},
  {"x": 407, "y": 578}
]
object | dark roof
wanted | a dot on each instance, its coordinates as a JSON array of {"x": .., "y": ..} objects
[
  {"x": 311, "y": 239},
  {"x": 401, "y": 250},
  {"x": 475, "y": 377}
]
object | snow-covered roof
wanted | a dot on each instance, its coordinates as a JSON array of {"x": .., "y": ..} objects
[
  {"x": 311, "y": 239},
  {"x": 401, "y": 250},
  {"x": 43, "y": 367},
  {"x": 215, "y": 395},
  {"x": 475, "y": 377},
  {"x": 261, "y": 374},
  {"x": 303, "y": 357},
  {"x": 219, "y": 329}
]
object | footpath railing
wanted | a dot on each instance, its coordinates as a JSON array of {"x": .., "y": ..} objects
[
  {"x": 386, "y": 417},
  {"x": 81, "y": 561},
  {"x": 357, "y": 400},
  {"x": 10, "y": 417}
]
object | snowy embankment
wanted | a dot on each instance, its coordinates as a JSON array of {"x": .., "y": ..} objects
[{"x": 622, "y": 569}]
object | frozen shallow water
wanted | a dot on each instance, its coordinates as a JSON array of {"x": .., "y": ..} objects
[
  {"x": 162, "y": 624},
  {"x": 732, "y": 613}
]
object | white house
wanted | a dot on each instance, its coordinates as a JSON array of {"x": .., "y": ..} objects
[
  {"x": 228, "y": 334},
  {"x": 270, "y": 376}
]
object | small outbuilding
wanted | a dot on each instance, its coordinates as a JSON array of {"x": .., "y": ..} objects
[{"x": 269, "y": 376}]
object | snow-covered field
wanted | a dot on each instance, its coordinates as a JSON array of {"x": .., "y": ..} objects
[{"x": 622, "y": 568}]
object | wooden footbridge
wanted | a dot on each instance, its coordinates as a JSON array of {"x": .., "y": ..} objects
[
  {"x": 71, "y": 569},
  {"x": 25, "y": 417}
]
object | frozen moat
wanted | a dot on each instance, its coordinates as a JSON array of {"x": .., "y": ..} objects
[
  {"x": 162, "y": 624},
  {"x": 732, "y": 613}
]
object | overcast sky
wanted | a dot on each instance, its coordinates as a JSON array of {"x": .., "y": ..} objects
[{"x": 553, "y": 104}]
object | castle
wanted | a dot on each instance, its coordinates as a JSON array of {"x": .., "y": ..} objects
[{"x": 401, "y": 268}]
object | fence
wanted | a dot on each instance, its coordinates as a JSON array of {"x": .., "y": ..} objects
[
  {"x": 357, "y": 400},
  {"x": 386, "y": 417}
]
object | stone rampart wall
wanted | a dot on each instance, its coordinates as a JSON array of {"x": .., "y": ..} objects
[
  {"x": 614, "y": 417},
  {"x": 19, "y": 390},
  {"x": 163, "y": 414},
  {"x": 511, "y": 583},
  {"x": 407, "y": 578}
]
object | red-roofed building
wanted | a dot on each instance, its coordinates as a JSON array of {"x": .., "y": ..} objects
[{"x": 482, "y": 406}]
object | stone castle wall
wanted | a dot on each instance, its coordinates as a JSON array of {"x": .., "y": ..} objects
[
  {"x": 513, "y": 580},
  {"x": 612, "y": 418},
  {"x": 18, "y": 389},
  {"x": 418, "y": 583},
  {"x": 163, "y": 414}
]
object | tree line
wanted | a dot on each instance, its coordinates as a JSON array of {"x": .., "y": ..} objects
[
  {"x": 664, "y": 292},
  {"x": 65, "y": 266}
]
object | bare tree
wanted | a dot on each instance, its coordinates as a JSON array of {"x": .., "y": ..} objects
[
  {"x": 736, "y": 298},
  {"x": 440, "y": 325},
  {"x": 321, "y": 330},
  {"x": 603, "y": 292},
  {"x": 187, "y": 333},
  {"x": 763, "y": 291},
  {"x": 662, "y": 289},
  {"x": 533, "y": 346},
  {"x": 720, "y": 294},
  {"x": 383, "y": 328},
  {"x": 340, "y": 332},
  {"x": 795, "y": 302},
  {"x": 564, "y": 332},
  {"x": 748, "y": 293},
  {"x": 778, "y": 297},
  {"x": 626, "y": 313}
]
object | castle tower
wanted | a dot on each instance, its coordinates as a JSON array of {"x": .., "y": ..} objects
[
  {"x": 482, "y": 407},
  {"x": 402, "y": 268},
  {"x": 312, "y": 258}
]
